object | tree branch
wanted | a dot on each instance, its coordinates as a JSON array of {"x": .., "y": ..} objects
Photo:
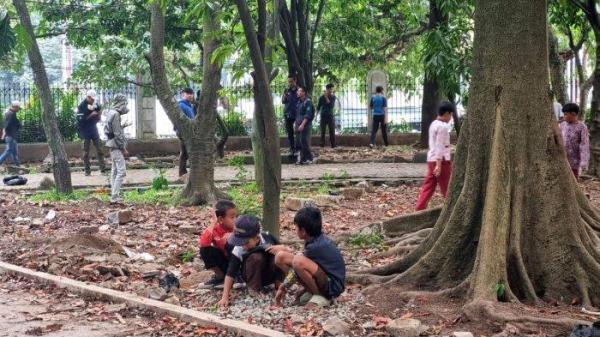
[{"x": 313, "y": 32}]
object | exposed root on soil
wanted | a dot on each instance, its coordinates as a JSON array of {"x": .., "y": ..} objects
[
  {"x": 486, "y": 310},
  {"x": 411, "y": 222}
]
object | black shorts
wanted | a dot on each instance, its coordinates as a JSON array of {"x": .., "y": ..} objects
[{"x": 213, "y": 257}]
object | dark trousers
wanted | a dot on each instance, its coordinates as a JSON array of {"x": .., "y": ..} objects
[
  {"x": 289, "y": 129},
  {"x": 327, "y": 121},
  {"x": 213, "y": 257},
  {"x": 86, "y": 154},
  {"x": 379, "y": 120},
  {"x": 303, "y": 143},
  {"x": 259, "y": 270},
  {"x": 183, "y": 157}
]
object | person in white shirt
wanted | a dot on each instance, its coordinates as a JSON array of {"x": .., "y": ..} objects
[
  {"x": 439, "y": 164},
  {"x": 557, "y": 107}
]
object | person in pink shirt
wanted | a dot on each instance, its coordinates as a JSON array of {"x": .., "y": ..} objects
[
  {"x": 439, "y": 164},
  {"x": 576, "y": 138}
]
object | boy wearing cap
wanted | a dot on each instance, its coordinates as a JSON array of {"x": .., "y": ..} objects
[
  {"x": 117, "y": 144},
  {"x": 320, "y": 269},
  {"x": 88, "y": 116},
  {"x": 249, "y": 257},
  {"x": 214, "y": 249},
  {"x": 11, "y": 128}
]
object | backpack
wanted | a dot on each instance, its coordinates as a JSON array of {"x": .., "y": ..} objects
[
  {"x": 586, "y": 330},
  {"x": 14, "y": 180}
]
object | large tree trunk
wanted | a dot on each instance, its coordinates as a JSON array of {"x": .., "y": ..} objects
[
  {"x": 266, "y": 122},
  {"x": 432, "y": 95},
  {"x": 60, "y": 163},
  {"x": 595, "y": 113},
  {"x": 198, "y": 134},
  {"x": 557, "y": 69},
  {"x": 514, "y": 214}
]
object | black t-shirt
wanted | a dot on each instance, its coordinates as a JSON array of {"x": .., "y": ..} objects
[
  {"x": 239, "y": 255},
  {"x": 290, "y": 99},
  {"x": 326, "y": 108}
]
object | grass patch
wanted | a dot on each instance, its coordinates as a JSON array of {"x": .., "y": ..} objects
[
  {"x": 153, "y": 197},
  {"x": 55, "y": 196},
  {"x": 187, "y": 256},
  {"x": 370, "y": 240},
  {"x": 247, "y": 199}
]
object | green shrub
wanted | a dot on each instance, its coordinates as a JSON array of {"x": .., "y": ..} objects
[
  {"x": 159, "y": 182},
  {"x": 238, "y": 163},
  {"x": 187, "y": 256},
  {"x": 235, "y": 123},
  {"x": 55, "y": 196},
  {"x": 247, "y": 199},
  {"x": 370, "y": 240},
  {"x": 153, "y": 197}
]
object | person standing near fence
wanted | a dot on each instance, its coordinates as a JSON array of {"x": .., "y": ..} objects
[
  {"x": 325, "y": 108},
  {"x": 439, "y": 164},
  {"x": 305, "y": 112},
  {"x": 290, "y": 101},
  {"x": 378, "y": 106},
  {"x": 88, "y": 116},
  {"x": 9, "y": 134},
  {"x": 185, "y": 104},
  {"x": 117, "y": 144}
]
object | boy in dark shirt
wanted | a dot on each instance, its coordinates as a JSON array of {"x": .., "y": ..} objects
[
  {"x": 250, "y": 258},
  {"x": 290, "y": 100},
  {"x": 214, "y": 249},
  {"x": 325, "y": 107},
  {"x": 320, "y": 269},
  {"x": 305, "y": 112}
]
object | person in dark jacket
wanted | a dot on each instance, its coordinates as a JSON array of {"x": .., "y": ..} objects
[
  {"x": 290, "y": 100},
  {"x": 88, "y": 116},
  {"x": 305, "y": 113},
  {"x": 249, "y": 258},
  {"x": 10, "y": 132},
  {"x": 325, "y": 108}
]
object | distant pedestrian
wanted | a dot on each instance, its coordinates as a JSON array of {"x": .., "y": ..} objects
[
  {"x": 305, "y": 112},
  {"x": 439, "y": 164},
  {"x": 88, "y": 116},
  {"x": 290, "y": 101},
  {"x": 576, "y": 138},
  {"x": 117, "y": 144},
  {"x": 185, "y": 104},
  {"x": 10, "y": 133},
  {"x": 378, "y": 106},
  {"x": 557, "y": 108},
  {"x": 325, "y": 108}
]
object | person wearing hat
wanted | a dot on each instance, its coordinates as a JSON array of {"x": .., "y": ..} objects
[
  {"x": 117, "y": 144},
  {"x": 250, "y": 258},
  {"x": 88, "y": 116},
  {"x": 9, "y": 134}
]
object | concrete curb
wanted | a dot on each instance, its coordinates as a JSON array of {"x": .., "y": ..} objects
[{"x": 238, "y": 327}]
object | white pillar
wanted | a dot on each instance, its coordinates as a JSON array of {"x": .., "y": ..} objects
[{"x": 145, "y": 112}]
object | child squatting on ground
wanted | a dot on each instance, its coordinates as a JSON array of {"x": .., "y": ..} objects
[
  {"x": 250, "y": 259},
  {"x": 320, "y": 269}
]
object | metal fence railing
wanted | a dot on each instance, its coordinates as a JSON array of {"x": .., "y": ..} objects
[{"x": 236, "y": 106}]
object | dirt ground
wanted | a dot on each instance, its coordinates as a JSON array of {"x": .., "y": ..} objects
[{"x": 79, "y": 244}]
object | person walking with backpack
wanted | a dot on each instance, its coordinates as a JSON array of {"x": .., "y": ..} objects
[
  {"x": 88, "y": 116},
  {"x": 9, "y": 134},
  {"x": 117, "y": 143}
]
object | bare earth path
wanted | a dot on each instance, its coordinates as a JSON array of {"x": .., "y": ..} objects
[{"x": 228, "y": 173}]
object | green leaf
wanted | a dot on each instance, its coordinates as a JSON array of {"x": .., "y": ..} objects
[
  {"x": 22, "y": 37},
  {"x": 8, "y": 38}
]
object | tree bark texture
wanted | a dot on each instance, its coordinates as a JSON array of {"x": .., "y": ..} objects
[
  {"x": 514, "y": 213},
  {"x": 432, "y": 95},
  {"x": 557, "y": 69},
  {"x": 60, "y": 163},
  {"x": 265, "y": 121},
  {"x": 199, "y": 133}
]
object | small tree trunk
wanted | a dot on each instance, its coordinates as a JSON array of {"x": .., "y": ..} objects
[
  {"x": 431, "y": 100},
  {"x": 198, "y": 134},
  {"x": 258, "y": 150},
  {"x": 595, "y": 113},
  {"x": 60, "y": 163},
  {"x": 557, "y": 69}
]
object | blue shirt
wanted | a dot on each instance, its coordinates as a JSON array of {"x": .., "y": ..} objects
[
  {"x": 187, "y": 108},
  {"x": 378, "y": 104},
  {"x": 322, "y": 251}
]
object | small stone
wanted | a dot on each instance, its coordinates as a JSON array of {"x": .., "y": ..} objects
[
  {"x": 36, "y": 224},
  {"x": 120, "y": 217},
  {"x": 195, "y": 279},
  {"x": 188, "y": 229},
  {"x": 50, "y": 216},
  {"x": 405, "y": 327},
  {"x": 296, "y": 319},
  {"x": 172, "y": 300},
  {"x": 46, "y": 184},
  {"x": 88, "y": 230},
  {"x": 462, "y": 334},
  {"x": 367, "y": 186},
  {"x": 352, "y": 193},
  {"x": 294, "y": 204},
  {"x": 104, "y": 228},
  {"x": 158, "y": 294},
  {"x": 327, "y": 200},
  {"x": 336, "y": 327}
]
